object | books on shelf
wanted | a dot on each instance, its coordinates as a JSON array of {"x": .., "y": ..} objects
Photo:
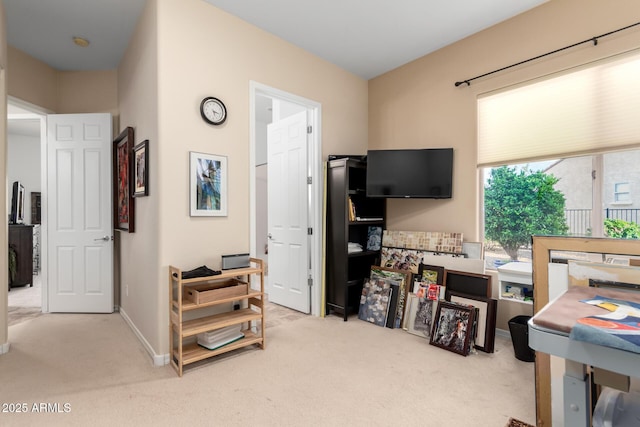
[
  {"x": 353, "y": 216},
  {"x": 352, "y": 210}
]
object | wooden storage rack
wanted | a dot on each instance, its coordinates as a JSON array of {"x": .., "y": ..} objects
[{"x": 194, "y": 294}]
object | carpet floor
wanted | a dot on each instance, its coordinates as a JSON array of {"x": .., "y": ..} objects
[{"x": 92, "y": 370}]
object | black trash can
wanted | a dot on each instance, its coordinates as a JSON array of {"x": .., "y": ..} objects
[{"x": 520, "y": 338}]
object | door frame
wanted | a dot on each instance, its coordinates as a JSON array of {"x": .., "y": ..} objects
[
  {"x": 42, "y": 113},
  {"x": 314, "y": 156}
]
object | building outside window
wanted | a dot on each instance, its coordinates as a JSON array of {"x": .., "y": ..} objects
[{"x": 621, "y": 192}]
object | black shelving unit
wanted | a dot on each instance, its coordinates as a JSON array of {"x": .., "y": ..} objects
[
  {"x": 346, "y": 181},
  {"x": 21, "y": 239}
]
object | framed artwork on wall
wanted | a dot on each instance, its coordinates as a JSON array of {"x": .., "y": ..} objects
[
  {"x": 208, "y": 184},
  {"x": 141, "y": 169},
  {"x": 124, "y": 207}
]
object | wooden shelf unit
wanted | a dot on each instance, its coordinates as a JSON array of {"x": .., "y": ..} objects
[{"x": 251, "y": 317}]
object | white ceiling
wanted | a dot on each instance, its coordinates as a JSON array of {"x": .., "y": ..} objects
[
  {"x": 45, "y": 29},
  {"x": 365, "y": 37},
  {"x": 371, "y": 37}
]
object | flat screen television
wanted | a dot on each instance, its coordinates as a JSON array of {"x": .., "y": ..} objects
[
  {"x": 17, "y": 204},
  {"x": 421, "y": 173}
]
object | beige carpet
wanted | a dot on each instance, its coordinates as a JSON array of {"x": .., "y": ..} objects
[
  {"x": 25, "y": 302},
  {"x": 22, "y": 314},
  {"x": 313, "y": 372}
]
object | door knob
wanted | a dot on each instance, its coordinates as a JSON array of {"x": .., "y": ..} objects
[{"x": 105, "y": 238}]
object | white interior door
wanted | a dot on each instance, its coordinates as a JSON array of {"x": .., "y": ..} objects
[
  {"x": 79, "y": 214},
  {"x": 288, "y": 212}
]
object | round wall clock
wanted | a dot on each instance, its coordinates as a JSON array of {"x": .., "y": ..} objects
[{"x": 213, "y": 110}]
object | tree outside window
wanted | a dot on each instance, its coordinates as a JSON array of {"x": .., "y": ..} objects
[{"x": 519, "y": 204}]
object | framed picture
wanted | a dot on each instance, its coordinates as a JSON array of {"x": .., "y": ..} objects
[
  {"x": 469, "y": 283},
  {"x": 474, "y": 250},
  {"x": 400, "y": 259},
  {"x": 374, "y": 238},
  {"x": 420, "y": 315},
  {"x": 374, "y": 301},
  {"x": 453, "y": 327},
  {"x": 124, "y": 207},
  {"x": 208, "y": 185},
  {"x": 401, "y": 280},
  {"x": 486, "y": 317},
  {"x": 431, "y": 274},
  {"x": 141, "y": 169}
]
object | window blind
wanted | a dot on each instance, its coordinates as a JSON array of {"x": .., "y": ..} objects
[{"x": 586, "y": 111}]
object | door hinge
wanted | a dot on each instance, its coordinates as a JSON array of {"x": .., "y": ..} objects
[
  {"x": 309, "y": 129},
  {"x": 593, "y": 174},
  {"x": 309, "y": 180},
  {"x": 310, "y": 231},
  {"x": 310, "y": 281}
]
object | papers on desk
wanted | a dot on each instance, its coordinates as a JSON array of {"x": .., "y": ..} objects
[{"x": 617, "y": 327}]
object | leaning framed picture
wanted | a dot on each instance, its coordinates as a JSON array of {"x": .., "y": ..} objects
[
  {"x": 487, "y": 310},
  {"x": 420, "y": 315},
  {"x": 208, "y": 184},
  {"x": 469, "y": 283},
  {"x": 141, "y": 169},
  {"x": 402, "y": 280},
  {"x": 453, "y": 327},
  {"x": 432, "y": 274},
  {"x": 124, "y": 207}
]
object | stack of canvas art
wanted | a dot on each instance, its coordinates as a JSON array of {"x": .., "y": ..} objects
[{"x": 452, "y": 309}]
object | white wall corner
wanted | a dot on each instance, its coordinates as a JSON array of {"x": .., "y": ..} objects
[
  {"x": 4, "y": 348},
  {"x": 158, "y": 359}
]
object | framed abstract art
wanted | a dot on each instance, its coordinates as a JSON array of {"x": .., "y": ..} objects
[
  {"x": 208, "y": 184},
  {"x": 123, "y": 202}
]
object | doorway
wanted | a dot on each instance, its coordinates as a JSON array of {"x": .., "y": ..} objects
[
  {"x": 263, "y": 101},
  {"x": 25, "y": 125}
]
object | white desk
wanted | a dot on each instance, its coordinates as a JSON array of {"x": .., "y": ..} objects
[{"x": 578, "y": 355}]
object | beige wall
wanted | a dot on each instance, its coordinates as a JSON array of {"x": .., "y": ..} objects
[
  {"x": 62, "y": 92},
  {"x": 31, "y": 80},
  {"x": 418, "y": 105},
  {"x": 185, "y": 50},
  {"x": 145, "y": 303},
  {"x": 87, "y": 92},
  {"x": 170, "y": 65},
  {"x": 4, "y": 337}
]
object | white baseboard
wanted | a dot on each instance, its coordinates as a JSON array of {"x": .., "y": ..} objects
[
  {"x": 502, "y": 333},
  {"x": 158, "y": 359},
  {"x": 4, "y": 348}
]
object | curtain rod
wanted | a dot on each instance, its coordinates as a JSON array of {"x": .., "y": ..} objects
[{"x": 592, "y": 39}]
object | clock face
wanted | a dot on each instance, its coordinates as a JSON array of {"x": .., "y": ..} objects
[{"x": 213, "y": 111}]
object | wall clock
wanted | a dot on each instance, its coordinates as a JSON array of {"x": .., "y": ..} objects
[{"x": 213, "y": 110}]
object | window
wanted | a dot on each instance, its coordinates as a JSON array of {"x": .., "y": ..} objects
[
  {"x": 621, "y": 192},
  {"x": 584, "y": 118},
  {"x": 584, "y": 182}
]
